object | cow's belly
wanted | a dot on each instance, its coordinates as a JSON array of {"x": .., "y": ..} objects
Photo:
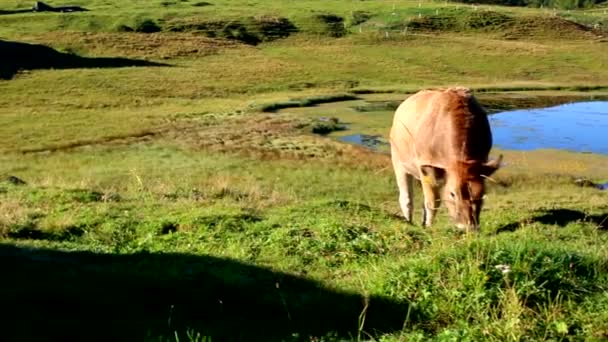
[{"x": 412, "y": 169}]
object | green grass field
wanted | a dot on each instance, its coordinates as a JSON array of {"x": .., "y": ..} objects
[{"x": 174, "y": 190}]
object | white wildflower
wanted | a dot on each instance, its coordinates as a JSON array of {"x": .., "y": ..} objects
[{"x": 503, "y": 268}]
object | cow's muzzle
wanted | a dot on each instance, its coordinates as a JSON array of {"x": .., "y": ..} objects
[{"x": 468, "y": 227}]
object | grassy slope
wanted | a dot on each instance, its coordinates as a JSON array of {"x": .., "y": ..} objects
[{"x": 214, "y": 179}]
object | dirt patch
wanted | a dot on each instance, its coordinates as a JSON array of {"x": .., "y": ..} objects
[{"x": 132, "y": 44}]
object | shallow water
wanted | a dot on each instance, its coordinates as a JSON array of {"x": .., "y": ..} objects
[
  {"x": 579, "y": 127},
  {"x": 374, "y": 142}
]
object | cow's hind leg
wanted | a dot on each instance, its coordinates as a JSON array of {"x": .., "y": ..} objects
[
  {"x": 404, "y": 182},
  {"x": 431, "y": 203},
  {"x": 430, "y": 190}
]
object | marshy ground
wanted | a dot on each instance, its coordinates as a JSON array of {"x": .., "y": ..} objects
[{"x": 162, "y": 176}]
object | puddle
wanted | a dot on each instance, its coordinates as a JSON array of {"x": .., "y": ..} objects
[
  {"x": 373, "y": 142},
  {"x": 579, "y": 127}
]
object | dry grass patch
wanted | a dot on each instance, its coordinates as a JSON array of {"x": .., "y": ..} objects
[
  {"x": 132, "y": 44},
  {"x": 550, "y": 27},
  {"x": 12, "y": 212},
  {"x": 269, "y": 136}
]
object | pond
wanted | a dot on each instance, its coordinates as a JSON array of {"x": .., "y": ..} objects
[
  {"x": 579, "y": 127},
  {"x": 575, "y": 126}
]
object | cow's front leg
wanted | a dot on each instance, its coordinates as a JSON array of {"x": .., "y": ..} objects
[
  {"x": 405, "y": 197},
  {"x": 404, "y": 182}
]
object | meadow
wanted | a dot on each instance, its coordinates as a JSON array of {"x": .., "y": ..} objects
[{"x": 160, "y": 179}]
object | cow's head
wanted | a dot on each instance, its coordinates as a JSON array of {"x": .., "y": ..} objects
[{"x": 464, "y": 191}]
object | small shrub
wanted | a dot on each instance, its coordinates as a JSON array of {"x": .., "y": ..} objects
[
  {"x": 359, "y": 17},
  {"x": 82, "y": 195},
  {"x": 14, "y": 180},
  {"x": 433, "y": 23},
  {"x": 202, "y": 4},
  {"x": 29, "y": 230},
  {"x": 486, "y": 19},
  {"x": 238, "y": 31},
  {"x": 270, "y": 28},
  {"x": 168, "y": 227},
  {"x": 252, "y": 30},
  {"x": 123, "y": 28},
  {"x": 147, "y": 26},
  {"x": 329, "y": 25},
  {"x": 327, "y": 126}
]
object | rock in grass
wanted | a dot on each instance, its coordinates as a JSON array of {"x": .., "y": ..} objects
[
  {"x": 15, "y": 180},
  {"x": 111, "y": 197}
]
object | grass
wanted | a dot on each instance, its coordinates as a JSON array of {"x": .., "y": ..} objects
[
  {"x": 332, "y": 224},
  {"x": 192, "y": 201}
]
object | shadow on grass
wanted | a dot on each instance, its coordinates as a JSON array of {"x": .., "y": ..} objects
[
  {"x": 40, "y": 6},
  {"x": 15, "y": 56},
  {"x": 18, "y": 11},
  {"x": 560, "y": 217},
  {"x": 57, "y": 295}
]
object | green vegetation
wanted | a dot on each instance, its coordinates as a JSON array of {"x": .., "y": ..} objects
[
  {"x": 563, "y": 4},
  {"x": 163, "y": 174}
]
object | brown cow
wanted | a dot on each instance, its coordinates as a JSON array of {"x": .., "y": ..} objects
[{"x": 443, "y": 138}]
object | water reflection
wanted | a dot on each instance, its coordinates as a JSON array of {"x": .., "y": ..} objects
[
  {"x": 370, "y": 141},
  {"x": 581, "y": 127}
]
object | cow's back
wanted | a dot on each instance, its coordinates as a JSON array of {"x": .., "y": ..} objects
[{"x": 438, "y": 127}]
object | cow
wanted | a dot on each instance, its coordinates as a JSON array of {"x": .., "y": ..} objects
[{"x": 442, "y": 137}]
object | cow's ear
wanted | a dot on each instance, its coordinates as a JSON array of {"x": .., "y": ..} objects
[{"x": 491, "y": 166}]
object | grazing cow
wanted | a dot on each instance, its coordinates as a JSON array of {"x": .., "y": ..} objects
[{"x": 442, "y": 137}]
